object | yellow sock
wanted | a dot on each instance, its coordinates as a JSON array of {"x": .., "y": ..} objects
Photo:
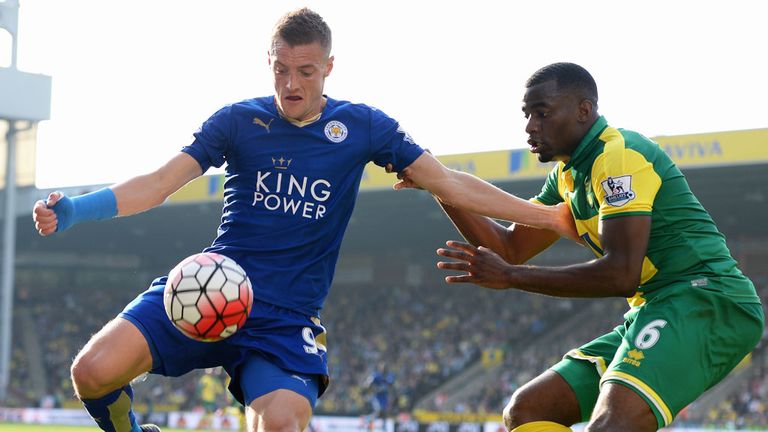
[{"x": 542, "y": 426}]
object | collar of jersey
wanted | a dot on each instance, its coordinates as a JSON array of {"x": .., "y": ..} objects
[
  {"x": 587, "y": 143},
  {"x": 302, "y": 123}
]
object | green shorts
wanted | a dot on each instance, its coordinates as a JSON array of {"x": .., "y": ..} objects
[{"x": 669, "y": 350}]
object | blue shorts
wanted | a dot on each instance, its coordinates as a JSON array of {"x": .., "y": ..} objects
[{"x": 288, "y": 340}]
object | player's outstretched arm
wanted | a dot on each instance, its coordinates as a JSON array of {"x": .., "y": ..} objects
[
  {"x": 59, "y": 212},
  {"x": 146, "y": 191},
  {"x": 615, "y": 274},
  {"x": 516, "y": 244},
  {"x": 467, "y": 192}
]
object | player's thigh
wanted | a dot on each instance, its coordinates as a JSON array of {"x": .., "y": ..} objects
[
  {"x": 680, "y": 344},
  {"x": 619, "y": 408},
  {"x": 276, "y": 398},
  {"x": 279, "y": 410},
  {"x": 111, "y": 358},
  {"x": 274, "y": 341},
  {"x": 581, "y": 369},
  {"x": 171, "y": 352},
  {"x": 548, "y": 397}
]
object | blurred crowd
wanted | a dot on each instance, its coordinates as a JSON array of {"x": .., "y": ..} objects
[
  {"x": 522, "y": 363},
  {"x": 424, "y": 336},
  {"x": 62, "y": 326}
]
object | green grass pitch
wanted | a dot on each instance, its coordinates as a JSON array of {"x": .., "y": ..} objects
[{"x": 15, "y": 427}]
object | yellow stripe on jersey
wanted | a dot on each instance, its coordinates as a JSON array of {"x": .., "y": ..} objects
[
  {"x": 598, "y": 361},
  {"x": 641, "y": 387},
  {"x": 649, "y": 270},
  {"x": 636, "y": 182},
  {"x": 638, "y": 179},
  {"x": 591, "y": 227},
  {"x": 565, "y": 183},
  {"x": 636, "y": 300}
]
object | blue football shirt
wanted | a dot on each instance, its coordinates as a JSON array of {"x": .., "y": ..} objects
[{"x": 289, "y": 191}]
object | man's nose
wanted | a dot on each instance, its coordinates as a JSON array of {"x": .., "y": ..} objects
[
  {"x": 531, "y": 126},
  {"x": 291, "y": 82}
]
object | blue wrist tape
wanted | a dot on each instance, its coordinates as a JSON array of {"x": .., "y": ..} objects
[{"x": 97, "y": 205}]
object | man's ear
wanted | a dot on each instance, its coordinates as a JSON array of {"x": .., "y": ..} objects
[
  {"x": 328, "y": 66},
  {"x": 586, "y": 108}
]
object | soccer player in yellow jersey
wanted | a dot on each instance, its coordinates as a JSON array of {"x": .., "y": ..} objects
[
  {"x": 210, "y": 390},
  {"x": 693, "y": 315}
]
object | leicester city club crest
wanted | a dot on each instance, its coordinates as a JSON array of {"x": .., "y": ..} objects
[
  {"x": 336, "y": 131},
  {"x": 618, "y": 190}
]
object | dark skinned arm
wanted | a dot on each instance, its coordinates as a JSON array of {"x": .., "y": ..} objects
[
  {"x": 516, "y": 244},
  {"x": 615, "y": 274}
]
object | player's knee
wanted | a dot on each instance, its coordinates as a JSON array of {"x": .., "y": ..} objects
[
  {"x": 88, "y": 379},
  {"x": 506, "y": 414},
  {"x": 279, "y": 423},
  {"x": 613, "y": 420},
  {"x": 621, "y": 408},
  {"x": 518, "y": 409},
  {"x": 608, "y": 423},
  {"x": 284, "y": 417}
]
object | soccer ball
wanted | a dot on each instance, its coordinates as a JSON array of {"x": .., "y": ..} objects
[{"x": 208, "y": 296}]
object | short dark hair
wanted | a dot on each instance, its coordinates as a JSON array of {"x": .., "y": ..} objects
[
  {"x": 569, "y": 76},
  {"x": 302, "y": 27}
]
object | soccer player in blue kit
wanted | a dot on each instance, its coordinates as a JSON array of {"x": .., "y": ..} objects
[
  {"x": 380, "y": 383},
  {"x": 294, "y": 161}
]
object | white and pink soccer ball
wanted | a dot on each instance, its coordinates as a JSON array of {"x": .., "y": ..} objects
[{"x": 208, "y": 296}]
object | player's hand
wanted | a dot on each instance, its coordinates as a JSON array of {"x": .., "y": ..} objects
[
  {"x": 45, "y": 218},
  {"x": 566, "y": 225},
  {"x": 406, "y": 182},
  {"x": 481, "y": 266}
]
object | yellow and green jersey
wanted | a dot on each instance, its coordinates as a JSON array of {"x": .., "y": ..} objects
[
  {"x": 615, "y": 173},
  {"x": 209, "y": 388}
]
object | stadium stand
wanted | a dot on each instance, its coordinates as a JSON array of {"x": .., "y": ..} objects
[{"x": 425, "y": 335}]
